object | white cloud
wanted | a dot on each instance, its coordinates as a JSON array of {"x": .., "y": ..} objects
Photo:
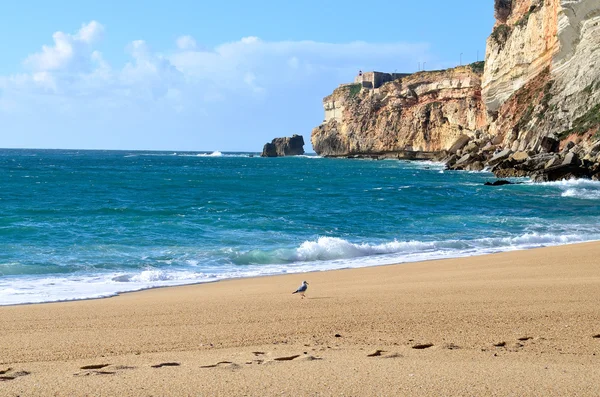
[
  {"x": 258, "y": 81},
  {"x": 186, "y": 43},
  {"x": 72, "y": 67},
  {"x": 69, "y": 51},
  {"x": 90, "y": 32}
]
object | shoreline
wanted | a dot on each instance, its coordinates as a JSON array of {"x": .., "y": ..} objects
[
  {"x": 522, "y": 322},
  {"x": 119, "y": 293}
]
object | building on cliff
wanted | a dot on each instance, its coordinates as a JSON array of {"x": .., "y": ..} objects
[{"x": 374, "y": 79}]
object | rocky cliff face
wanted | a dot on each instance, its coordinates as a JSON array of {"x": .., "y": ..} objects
[
  {"x": 280, "y": 147},
  {"x": 426, "y": 112},
  {"x": 554, "y": 42},
  {"x": 539, "y": 95}
]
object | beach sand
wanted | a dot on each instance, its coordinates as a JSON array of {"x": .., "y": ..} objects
[{"x": 523, "y": 323}]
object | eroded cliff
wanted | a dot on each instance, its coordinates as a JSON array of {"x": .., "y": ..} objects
[
  {"x": 556, "y": 42},
  {"x": 426, "y": 111},
  {"x": 538, "y": 98}
]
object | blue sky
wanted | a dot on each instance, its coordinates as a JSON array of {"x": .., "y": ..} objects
[{"x": 190, "y": 75}]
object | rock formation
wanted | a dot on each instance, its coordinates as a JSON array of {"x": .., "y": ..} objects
[
  {"x": 535, "y": 109},
  {"x": 280, "y": 147},
  {"x": 426, "y": 112}
]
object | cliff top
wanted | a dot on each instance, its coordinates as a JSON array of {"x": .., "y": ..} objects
[{"x": 423, "y": 77}]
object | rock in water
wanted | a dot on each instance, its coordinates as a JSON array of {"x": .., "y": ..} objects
[
  {"x": 500, "y": 182},
  {"x": 280, "y": 147}
]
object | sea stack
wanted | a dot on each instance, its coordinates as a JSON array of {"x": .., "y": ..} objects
[{"x": 280, "y": 147}]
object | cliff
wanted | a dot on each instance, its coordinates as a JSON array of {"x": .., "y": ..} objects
[
  {"x": 550, "y": 46},
  {"x": 280, "y": 147},
  {"x": 537, "y": 98},
  {"x": 426, "y": 112}
]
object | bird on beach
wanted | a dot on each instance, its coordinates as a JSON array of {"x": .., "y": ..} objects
[{"x": 301, "y": 289}]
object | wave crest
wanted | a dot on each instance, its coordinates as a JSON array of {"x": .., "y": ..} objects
[{"x": 213, "y": 154}]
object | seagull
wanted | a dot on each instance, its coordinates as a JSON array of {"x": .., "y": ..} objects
[{"x": 301, "y": 289}]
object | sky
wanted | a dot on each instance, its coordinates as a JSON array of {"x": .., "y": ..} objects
[{"x": 207, "y": 76}]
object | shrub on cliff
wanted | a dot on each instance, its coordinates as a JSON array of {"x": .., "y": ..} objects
[
  {"x": 501, "y": 34},
  {"x": 503, "y": 9},
  {"x": 354, "y": 89},
  {"x": 587, "y": 122},
  {"x": 477, "y": 67}
]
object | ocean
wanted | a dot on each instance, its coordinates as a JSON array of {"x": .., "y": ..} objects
[{"x": 90, "y": 224}]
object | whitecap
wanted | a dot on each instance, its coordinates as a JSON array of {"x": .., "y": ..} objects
[
  {"x": 212, "y": 154},
  {"x": 584, "y": 194}
]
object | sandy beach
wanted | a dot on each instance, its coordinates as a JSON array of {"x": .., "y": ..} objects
[{"x": 523, "y": 323}]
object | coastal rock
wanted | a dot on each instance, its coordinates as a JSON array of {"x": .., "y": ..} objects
[
  {"x": 560, "y": 172},
  {"x": 568, "y": 146},
  {"x": 500, "y": 182},
  {"x": 553, "y": 162},
  {"x": 520, "y": 156},
  {"x": 500, "y": 156},
  {"x": 463, "y": 160},
  {"x": 460, "y": 143},
  {"x": 570, "y": 159},
  {"x": 279, "y": 147},
  {"x": 475, "y": 166},
  {"x": 549, "y": 145}
]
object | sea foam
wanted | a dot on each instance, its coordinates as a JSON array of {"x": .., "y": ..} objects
[{"x": 325, "y": 253}]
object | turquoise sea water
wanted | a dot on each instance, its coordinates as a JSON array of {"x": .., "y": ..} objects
[{"x": 84, "y": 224}]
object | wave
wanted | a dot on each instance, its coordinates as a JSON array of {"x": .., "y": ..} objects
[
  {"x": 583, "y": 189},
  {"x": 584, "y": 194},
  {"x": 324, "y": 253},
  {"x": 333, "y": 249},
  {"x": 571, "y": 183},
  {"x": 213, "y": 154},
  {"x": 310, "y": 156}
]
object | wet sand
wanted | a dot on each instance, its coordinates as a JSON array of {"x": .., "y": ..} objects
[{"x": 523, "y": 323}]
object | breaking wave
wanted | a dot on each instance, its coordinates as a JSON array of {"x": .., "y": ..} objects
[{"x": 325, "y": 253}]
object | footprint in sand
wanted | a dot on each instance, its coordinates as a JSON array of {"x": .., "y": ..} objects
[
  {"x": 165, "y": 365},
  {"x": 310, "y": 358},
  {"x": 10, "y": 374},
  {"x": 451, "y": 346},
  {"x": 222, "y": 364},
  {"x": 288, "y": 358},
  {"x": 423, "y": 346},
  {"x": 94, "y": 369},
  {"x": 98, "y": 369},
  {"x": 95, "y": 366},
  {"x": 380, "y": 353}
]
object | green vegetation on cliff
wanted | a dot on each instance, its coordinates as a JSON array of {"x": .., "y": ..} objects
[
  {"x": 477, "y": 67},
  {"x": 588, "y": 121},
  {"x": 501, "y": 34},
  {"x": 354, "y": 89}
]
